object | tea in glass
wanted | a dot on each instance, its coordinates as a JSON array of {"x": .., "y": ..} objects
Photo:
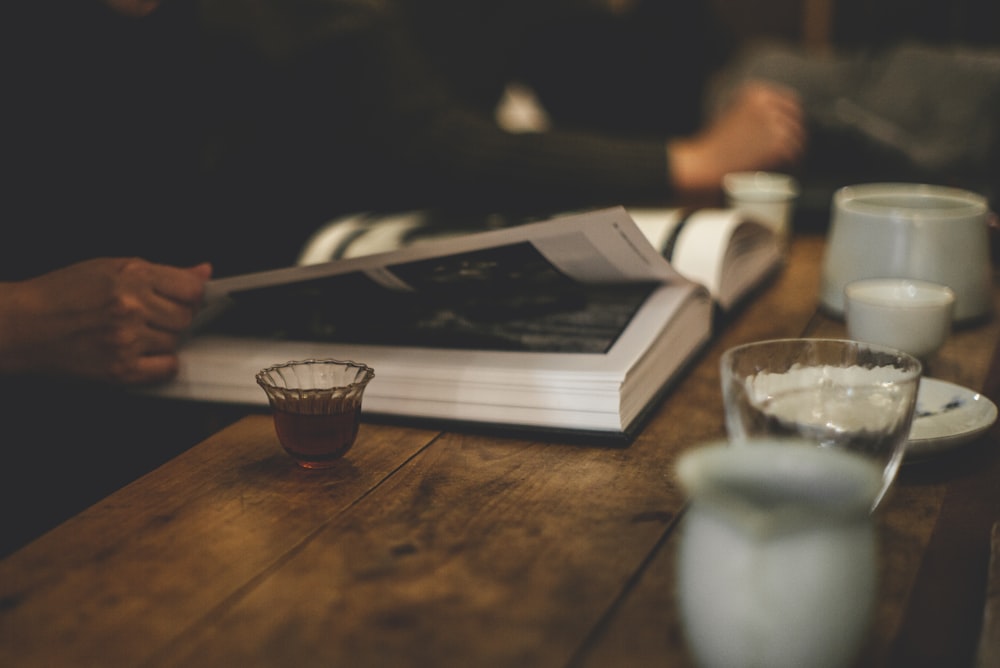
[{"x": 317, "y": 407}]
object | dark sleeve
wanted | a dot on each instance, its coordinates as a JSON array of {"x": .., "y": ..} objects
[{"x": 368, "y": 94}]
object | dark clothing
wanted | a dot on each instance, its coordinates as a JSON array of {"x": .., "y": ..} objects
[
  {"x": 391, "y": 103},
  {"x": 101, "y": 154},
  {"x": 111, "y": 130},
  {"x": 98, "y": 120}
]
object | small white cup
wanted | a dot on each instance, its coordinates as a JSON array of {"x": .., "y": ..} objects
[
  {"x": 767, "y": 197},
  {"x": 906, "y": 314}
]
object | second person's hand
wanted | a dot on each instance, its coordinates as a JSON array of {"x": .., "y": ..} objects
[{"x": 762, "y": 127}]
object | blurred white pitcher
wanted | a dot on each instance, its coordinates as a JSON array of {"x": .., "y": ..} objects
[
  {"x": 903, "y": 230},
  {"x": 777, "y": 560}
]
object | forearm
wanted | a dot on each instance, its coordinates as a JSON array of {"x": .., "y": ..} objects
[
  {"x": 18, "y": 328},
  {"x": 586, "y": 166}
]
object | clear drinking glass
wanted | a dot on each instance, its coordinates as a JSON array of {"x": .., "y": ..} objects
[
  {"x": 849, "y": 395},
  {"x": 317, "y": 407}
]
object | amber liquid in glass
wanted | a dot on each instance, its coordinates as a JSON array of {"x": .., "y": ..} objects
[{"x": 316, "y": 441}]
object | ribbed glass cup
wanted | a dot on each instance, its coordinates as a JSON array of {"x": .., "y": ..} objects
[{"x": 317, "y": 407}]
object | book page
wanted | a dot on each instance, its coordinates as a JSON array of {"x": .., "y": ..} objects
[
  {"x": 369, "y": 233},
  {"x": 700, "y": 247},
  {"x": 726, "y": 252},
  {"x": 572, "y": 284},
  {"x": 660, "y": 226},
  {"x": 717, "y": 248},
  {"x": 602, "y": 246},
  {"x": 552, "y": 315}
]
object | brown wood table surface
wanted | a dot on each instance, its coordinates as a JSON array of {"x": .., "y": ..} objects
[{"x": 441, "y": 548}]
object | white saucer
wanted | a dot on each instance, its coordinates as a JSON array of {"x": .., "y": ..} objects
[{"x": 947, "y": 416}]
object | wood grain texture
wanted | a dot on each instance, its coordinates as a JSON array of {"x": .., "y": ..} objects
[
  {"x": 112, "y": 585},
  {"x": 435, "y": 548}
]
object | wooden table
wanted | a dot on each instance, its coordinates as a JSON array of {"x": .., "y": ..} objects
[{"x": 432, "y": 548}]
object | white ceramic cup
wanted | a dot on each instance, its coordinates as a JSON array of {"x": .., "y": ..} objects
[
  {"x": 903, "y": 230},
  {"x": 906, "y": 314},
  {"x": 767, "y": 197}
]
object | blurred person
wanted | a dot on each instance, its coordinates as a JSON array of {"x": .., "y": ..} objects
[
  {"x": 906, "y": 110},
  {"x": 391, "y": 103}
]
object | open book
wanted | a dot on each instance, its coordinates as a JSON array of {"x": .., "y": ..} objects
[
  {"x": 719, "y": 248},
  {"x": 576, "y": 323}
]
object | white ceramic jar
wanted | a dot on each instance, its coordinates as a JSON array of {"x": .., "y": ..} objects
[{"x": 903, "y": 230}]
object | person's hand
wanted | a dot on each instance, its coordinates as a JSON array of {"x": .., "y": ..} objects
[
  {"x": 620, "y": 7},
  {"x": 133, "y": 8},
  {"x": 762, "y": 127},
  {"x": 113, "y": 319}
]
